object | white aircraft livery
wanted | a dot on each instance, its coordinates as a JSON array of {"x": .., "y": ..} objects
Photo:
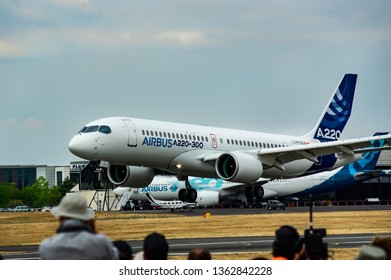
[
  {"x": 135, "y": 148},
  {"x": 172, "y": 204}
]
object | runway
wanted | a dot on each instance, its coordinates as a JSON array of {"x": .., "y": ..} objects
[{"x": 223, "y": 245}]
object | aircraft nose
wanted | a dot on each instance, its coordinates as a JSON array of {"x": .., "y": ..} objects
[{"x": 82, "y": 148}]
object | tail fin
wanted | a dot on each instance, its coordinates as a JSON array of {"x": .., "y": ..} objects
[
  {"x": 369, "y": 159},
  {"x": 337, "y": 113}
]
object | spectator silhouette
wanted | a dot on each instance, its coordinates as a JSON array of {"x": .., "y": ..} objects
[
  {"x": 384, "y": 243},
  {"x": 155, "y": 247},
  {"x": 288, "y": 245},
  {"x": 124, "y": 249},
  {"x": 76, "y": 237},
  {"x": 199, "y": 254},
  {"x": 370, "y": 252}
]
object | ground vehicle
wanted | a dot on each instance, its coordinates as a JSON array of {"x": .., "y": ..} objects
[
  {"x": 21, "y": 208},
  {"x": 46, "y": 209},
  {"x": 275, "y": 205}
]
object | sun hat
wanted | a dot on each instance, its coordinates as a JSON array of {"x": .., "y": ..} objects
[
  {"x": 73, "y": 206},
  {"x": 369, "y": 252}
]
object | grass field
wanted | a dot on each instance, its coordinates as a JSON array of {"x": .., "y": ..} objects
[{"x": 31, "y": 228}]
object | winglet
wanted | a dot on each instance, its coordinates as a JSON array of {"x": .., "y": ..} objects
[{"x": 337, "y": 112}]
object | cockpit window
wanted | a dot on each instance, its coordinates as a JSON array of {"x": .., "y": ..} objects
[
  {"x": 105, "y": 129},
  {"x": 82, "y": 130},
  {"x": 92, "y": 128}
]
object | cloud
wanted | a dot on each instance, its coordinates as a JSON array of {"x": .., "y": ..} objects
[
  {"x": 29, "y": 123},
  {"x": 33, "y": 123},
  {"x": 84, "y": 4},
  {"x": 182, "y": 38},
  {"x": 9, "y": 49}
]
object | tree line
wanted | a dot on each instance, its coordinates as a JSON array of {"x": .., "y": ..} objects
[{"x": 37, "y": 195}]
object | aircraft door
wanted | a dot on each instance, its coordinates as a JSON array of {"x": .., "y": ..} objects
[
  {"x": 132, "y": 134},
  {"x": 214, "y": 141}
]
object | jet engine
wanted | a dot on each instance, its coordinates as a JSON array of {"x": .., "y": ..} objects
[
  {"x": 208, "y": 198},
  {"x": 130, "y": 176},
  {"x": 239, "y": 167}
]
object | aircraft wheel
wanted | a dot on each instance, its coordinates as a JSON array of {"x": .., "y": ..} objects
[
  {"x": 182, "y": 195},
  {"x": 259, "y": 192},
  {"x": 191, "y": 195},
  {"x": 249, "y": 192}
]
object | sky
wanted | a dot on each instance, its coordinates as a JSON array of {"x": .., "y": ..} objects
[{"x": 258, "y": 65}]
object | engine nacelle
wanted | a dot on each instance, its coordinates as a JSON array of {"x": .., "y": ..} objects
[
  {"x": 130, "y": 176},
  {"x": 239, "y": 167},
  {"x": 208, "y": 198}
]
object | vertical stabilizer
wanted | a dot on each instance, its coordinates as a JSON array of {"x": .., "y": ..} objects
[
  {"x": 369, "y": 159},
  {"x": 337, "y": 112}
]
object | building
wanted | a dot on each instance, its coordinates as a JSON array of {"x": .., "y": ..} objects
[{"x": 26, "y": 175}]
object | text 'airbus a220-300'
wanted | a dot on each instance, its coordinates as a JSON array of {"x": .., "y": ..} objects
[{"x": 135, "y": 148}]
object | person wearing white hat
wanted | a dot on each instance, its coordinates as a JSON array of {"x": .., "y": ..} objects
[{"x": 76, "y": 237}]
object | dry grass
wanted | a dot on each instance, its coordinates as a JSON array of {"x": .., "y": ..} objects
[{"x": 31, "y": 228}]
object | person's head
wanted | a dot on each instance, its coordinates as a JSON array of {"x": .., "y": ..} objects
[
  {"x": 155, "y": 247},
  {"x": 287, "y": 242},
  {"x": 199, "y": 254},
  {"x": 74, "y": 206},
  {"x": 124, "y": 249},
  {"x": 384, "y": 243}
]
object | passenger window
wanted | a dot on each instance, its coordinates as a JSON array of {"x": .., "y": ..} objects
[
  {"x": 105, "y": 129},
  {"x": 227, "y": 141}
]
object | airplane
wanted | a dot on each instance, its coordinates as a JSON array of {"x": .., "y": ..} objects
[
  {"x": 168, "y": 187},
  {"x": 134, "y": 148},
  {"x": 172, "y": 205},
  {"x": 212, "y": 192}
]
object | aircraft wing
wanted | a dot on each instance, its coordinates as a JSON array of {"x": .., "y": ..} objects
[
  {"x": 278, "y": 156},
  {"x": 362, "y": 176}
]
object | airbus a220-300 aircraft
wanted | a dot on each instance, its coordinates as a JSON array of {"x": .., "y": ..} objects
[{"x": 134, "y": 148}]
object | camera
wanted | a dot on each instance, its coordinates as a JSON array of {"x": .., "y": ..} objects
[
  {"x": 313, "y": 239},
  {"x": 315, "y": 247}
]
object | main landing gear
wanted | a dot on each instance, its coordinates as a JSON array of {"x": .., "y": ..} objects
[{"x": 188, "y": 194}]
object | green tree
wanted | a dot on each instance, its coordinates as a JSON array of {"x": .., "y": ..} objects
[
  {"x": 8, "y": 193},
  {"x": 67, "y": 185},
  {"x": 40, "y": 194}
]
